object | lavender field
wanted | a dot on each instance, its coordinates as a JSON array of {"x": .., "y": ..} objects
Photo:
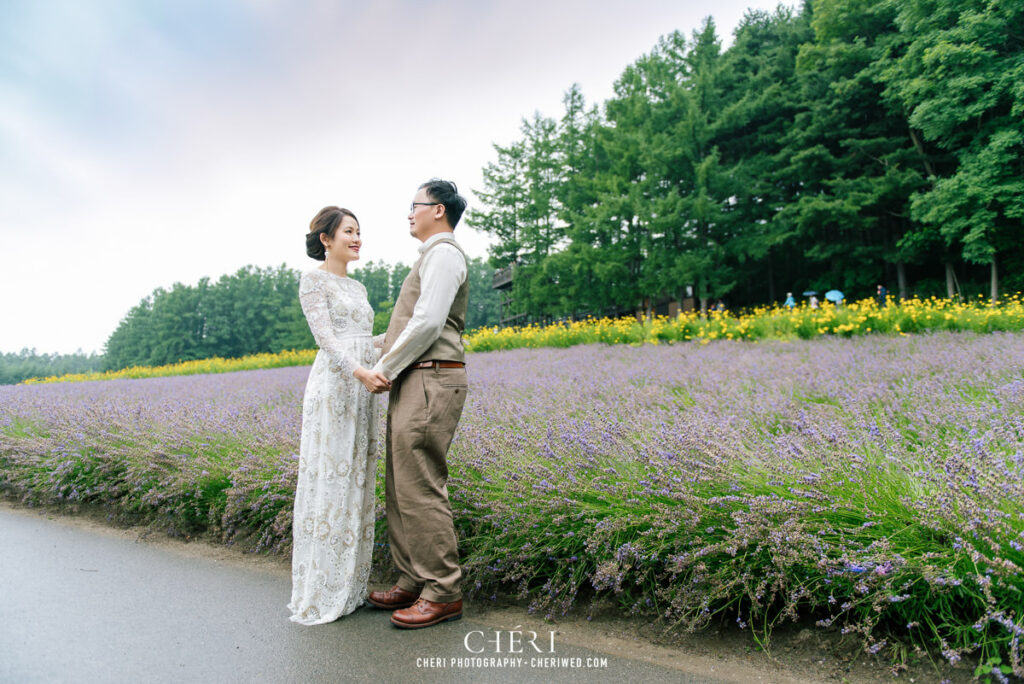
[{"x": 872, "y": 485}]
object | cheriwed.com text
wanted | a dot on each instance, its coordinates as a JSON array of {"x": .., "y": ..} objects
[{"x": 512, "y": 648}]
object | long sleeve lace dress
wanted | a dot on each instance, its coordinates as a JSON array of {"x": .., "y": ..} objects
[{"x": 332, "y": 530}]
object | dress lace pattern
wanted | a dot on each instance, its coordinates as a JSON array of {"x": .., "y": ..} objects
[{"x": 332, "y": 530}]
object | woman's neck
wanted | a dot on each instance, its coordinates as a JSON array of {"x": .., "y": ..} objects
[{"x": 337, "y": 267}]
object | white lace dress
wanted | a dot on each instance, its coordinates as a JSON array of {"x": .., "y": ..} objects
[{"x": 332, "y": 531}]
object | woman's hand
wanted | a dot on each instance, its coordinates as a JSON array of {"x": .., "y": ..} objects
[{"x": 372, "y": 380}]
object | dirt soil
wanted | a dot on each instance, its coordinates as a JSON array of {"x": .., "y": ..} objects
[{"x": 797, "y": 653}]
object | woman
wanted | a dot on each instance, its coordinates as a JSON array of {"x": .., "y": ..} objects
[{"x": 332, "y": 529}]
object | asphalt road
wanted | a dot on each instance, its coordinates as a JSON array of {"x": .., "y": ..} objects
[{"x": 79, "y": 605}]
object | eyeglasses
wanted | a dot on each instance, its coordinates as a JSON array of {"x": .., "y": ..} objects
[{"x": 412, "y": 207}]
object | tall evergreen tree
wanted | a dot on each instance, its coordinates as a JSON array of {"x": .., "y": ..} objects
[
  {"x": 839, "y": 145},
  {"x": 853, "y": 159},
  {"x": 506, "y": 197},
  {"x": 960, "y": 78},
  {"x": 761, "y": 97}
]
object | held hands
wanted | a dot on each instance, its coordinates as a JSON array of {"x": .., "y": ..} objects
[{"x": 373, "y": 381}]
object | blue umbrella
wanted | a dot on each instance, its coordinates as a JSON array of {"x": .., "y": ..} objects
[
  {"x": 809, "y": 293},
  {"x": 834, "y": 296}
]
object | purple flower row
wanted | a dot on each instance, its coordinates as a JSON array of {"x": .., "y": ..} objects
[{"x": 875, "y": 480}]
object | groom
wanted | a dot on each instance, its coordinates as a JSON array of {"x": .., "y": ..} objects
[{"x": 423, "y": 358}]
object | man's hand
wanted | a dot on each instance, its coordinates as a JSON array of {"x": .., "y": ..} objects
[{"x": 373, "y": 381}]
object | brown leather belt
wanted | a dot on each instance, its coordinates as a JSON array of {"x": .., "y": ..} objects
[{"x": 438, "y": 364}]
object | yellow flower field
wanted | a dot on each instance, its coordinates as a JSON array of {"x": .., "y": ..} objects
[
  {"x": 211, "y": 365},
  {"x": 858, "y": 318}
]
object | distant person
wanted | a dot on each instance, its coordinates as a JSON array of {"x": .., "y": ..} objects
[
  {"x": 882, "y": 294},
  {"x": 333, "y": 519},
  {"x": 813, "y": 301},
  {"x": 790, "y": 303},
  {"x": 719, "y": 305}
]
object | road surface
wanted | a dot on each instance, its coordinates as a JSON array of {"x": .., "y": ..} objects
[{"x": 81, "y": 604}]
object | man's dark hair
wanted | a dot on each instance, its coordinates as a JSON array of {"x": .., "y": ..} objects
[{"x": 447, "y": 194}]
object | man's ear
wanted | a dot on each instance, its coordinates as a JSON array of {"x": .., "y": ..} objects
[{"x": 439, "y": 212}]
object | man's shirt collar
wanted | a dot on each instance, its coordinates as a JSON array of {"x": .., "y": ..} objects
[{"x": 434, "y": 238}]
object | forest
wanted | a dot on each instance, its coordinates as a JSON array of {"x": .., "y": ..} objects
[
  {"x": 256, "y": 310},
  {"x": 841, "y": 144}
]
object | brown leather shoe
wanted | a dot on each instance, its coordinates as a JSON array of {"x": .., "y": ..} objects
[
  {"x": 425, "y": 613},
  {"x": 394, "y": 598}
]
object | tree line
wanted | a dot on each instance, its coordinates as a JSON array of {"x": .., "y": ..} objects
[
  {"x": 29, "y": 363},
  {"x": 254, "y": 310},
  {"x": 257, "y": 310},
  {"x": 841, "y": 144}
]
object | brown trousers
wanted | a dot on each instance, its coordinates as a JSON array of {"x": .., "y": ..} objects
[{"x": 424, "y": 408}]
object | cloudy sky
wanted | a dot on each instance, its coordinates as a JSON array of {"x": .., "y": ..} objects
[{"x": 148, "y": 143}]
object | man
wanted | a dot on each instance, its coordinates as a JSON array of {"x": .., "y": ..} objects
[
  {"x": 882, "y": 293},
  {"x": 424, "y": 359}
]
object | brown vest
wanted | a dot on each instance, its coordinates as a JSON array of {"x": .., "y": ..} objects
[{"x": 447, "y": 347}]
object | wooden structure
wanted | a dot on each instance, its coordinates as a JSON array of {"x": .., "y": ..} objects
[{"x": 503, "y": 283}]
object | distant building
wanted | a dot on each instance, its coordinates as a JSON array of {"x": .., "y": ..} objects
[{"x": 503, "y": 283}]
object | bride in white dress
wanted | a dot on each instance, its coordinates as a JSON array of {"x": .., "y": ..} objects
[{"x": 333, "y": 525}]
